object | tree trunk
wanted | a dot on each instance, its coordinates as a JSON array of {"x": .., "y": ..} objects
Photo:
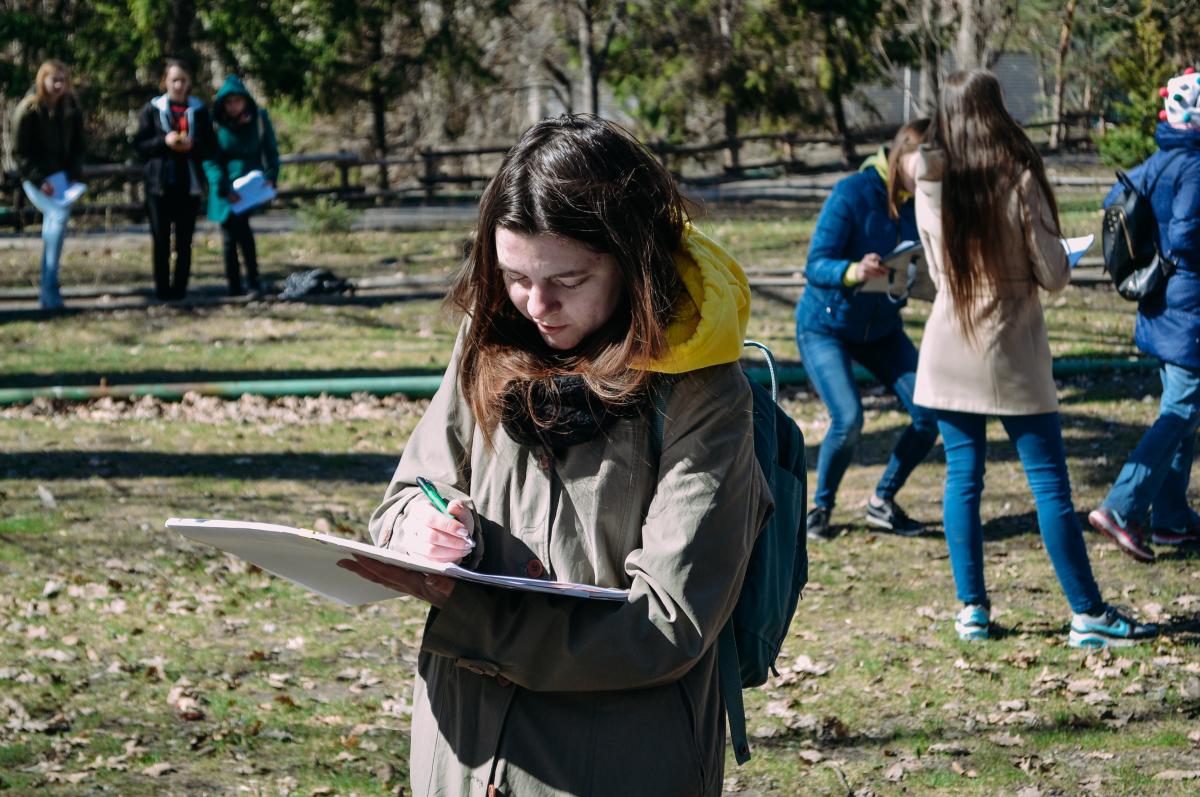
[
  {"x": 179, "y": 31},
  {"x": 930, "y": 57},
  {"x": 1057, "y": 132},
  {"x": 836, "y": 98},
  {"x": 972, "y": 33},
  {"x": 725, "y": 31},
  {"x": 378, "y": 102},
  {"x": 588, "y": 62}
]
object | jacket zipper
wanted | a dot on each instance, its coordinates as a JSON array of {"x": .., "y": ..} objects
[{"x": 547, "y": 459}]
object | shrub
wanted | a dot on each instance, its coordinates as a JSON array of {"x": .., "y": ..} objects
[
  {"x": 326, "y": 215},
  {"x": 1124, "y": 146}
]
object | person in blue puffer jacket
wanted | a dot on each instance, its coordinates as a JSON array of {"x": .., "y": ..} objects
[
  {"x": 1155, "y": 478},
  {"x": 867, "y": 215}
]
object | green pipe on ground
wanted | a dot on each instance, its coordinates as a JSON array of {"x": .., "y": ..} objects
[{"x": 426, "y": 386}]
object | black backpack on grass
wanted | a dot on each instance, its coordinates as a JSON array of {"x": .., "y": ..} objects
[
  {"x": 313, "y": 282},
  {"x": 1133, "y": 254},
  {"x": 778, "y": 568}
]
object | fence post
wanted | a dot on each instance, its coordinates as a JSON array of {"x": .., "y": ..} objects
[
  {"x": 431, "y": 173},
  {"x": 733, "y": 154},
  {"x": 343, "y": 167}
]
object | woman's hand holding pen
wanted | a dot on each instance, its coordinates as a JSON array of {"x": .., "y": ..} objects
[
  {"x": 443, "y": 538},
  {"x": 870, "y": 267}
]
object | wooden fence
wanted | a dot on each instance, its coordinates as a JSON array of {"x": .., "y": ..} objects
[{"x": 430, "y": 176}]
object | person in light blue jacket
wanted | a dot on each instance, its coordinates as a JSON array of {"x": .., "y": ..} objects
[
  {"x": 1155, "y": 478},
  {"x": 837, "y": 324}
]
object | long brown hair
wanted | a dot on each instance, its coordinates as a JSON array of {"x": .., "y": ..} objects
[
  {"x": 906, "y": 140},
  {"x": 986, "y": 154},
  {"x": 586, "y": 179},
  {"x": 48, "y": 67}
]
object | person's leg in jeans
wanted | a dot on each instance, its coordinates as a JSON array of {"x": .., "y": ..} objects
[
  {"x": 828, "y": 367},
  {"x": 1147, "y": 471},
  {"x": 1169, "y": 509},
  {"x": 229, "y": 246},
  {"x": 249, "y": 253},
  {"x": 184, "y": 213},
  {"x": 893, "y": 361},
  {"x": 158, "y": 211},
  {"x": 54, "y": 231},
  {"x": 964, "y": 436},
  {"x": 1039, "y": 444}
]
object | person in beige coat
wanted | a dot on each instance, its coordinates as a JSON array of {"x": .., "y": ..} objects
[
  {"x": 989, "y": 225},
  {"x": 584, "y": 288}
]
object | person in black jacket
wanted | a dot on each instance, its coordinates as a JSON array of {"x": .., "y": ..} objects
[
  {"x": 174, "y": 136},
  {"x": 48, "y": 147}
]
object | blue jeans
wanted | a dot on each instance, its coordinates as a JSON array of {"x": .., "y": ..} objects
[
  {"x": 54, "y": 230},
  {"x": 1157, "y": 472},
  {"x": 893, "y": 361},
  {"x": 1038, "y": 440}
]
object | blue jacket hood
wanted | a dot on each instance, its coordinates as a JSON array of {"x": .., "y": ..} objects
[{"x": 1168, "y": 138}]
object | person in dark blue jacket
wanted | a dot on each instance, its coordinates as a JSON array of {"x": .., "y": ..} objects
[
  {"x": 1155, "y": 478},
  {"x": 867, "y": 215}
]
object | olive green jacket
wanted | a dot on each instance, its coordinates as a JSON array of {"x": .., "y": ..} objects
[
  {"x": 48, "y": 140},
  {"x": 544, "y": 695}
]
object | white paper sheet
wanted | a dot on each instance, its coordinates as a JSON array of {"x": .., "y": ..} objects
[
  {"x": 1077, "y": 247},
  {"x": 65, "y": 193},
  {"x": 253, "y": 190},
  {"x": 309, "y": 558},
  {"x": 908, "y": 275}
]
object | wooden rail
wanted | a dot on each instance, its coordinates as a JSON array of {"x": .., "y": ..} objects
[{"x": 429, "y": 175}]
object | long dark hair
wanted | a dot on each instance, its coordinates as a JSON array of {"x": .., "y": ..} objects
[
  {"x": 986, "y": 154},
  {"x": 586, "y": 179},
  {"x": 907, "y": 139}
]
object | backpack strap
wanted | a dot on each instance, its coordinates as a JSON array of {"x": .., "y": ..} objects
[{"x": 729, "y": 670}]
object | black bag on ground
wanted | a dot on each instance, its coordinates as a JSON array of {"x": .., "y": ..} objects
[
  {"x": 1133, "y": 254},
  {"x": 313, "y": 282}
]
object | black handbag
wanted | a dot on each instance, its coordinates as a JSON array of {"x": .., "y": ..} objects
[{"x": 1133, "y": 254}]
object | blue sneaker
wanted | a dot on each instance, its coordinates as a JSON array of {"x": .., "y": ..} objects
[
  {"x": 972, "y": 622},
  {"x": 1110, "y": 629}
]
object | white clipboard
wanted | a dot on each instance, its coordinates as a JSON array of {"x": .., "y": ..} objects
[{"x": 310, "y": 559}]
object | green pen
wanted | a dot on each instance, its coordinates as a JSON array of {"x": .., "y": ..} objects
[{"x": 434, "y": 497}]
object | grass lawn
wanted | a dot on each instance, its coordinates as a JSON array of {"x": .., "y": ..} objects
[{"x": 135, "y": 663}]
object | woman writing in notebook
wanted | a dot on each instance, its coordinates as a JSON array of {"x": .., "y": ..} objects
[
  {"x": 585, "y": 286},
  {"x": 838, "y": 324}
]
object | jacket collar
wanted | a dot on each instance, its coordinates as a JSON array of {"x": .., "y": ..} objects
[
  {"x": 161, "y": 103},
  {"x": 1167, "y": 137}
]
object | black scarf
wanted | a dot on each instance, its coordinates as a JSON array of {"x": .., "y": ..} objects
[{"x": 567, "y": 412}]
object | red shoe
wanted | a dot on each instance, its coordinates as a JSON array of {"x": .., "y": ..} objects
[{"x": 1128, "y": 535}]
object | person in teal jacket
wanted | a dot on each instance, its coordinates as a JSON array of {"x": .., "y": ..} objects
[{"x": 245, "y": 143}]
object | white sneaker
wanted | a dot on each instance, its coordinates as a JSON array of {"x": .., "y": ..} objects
[{"x": 972, "y": 622}]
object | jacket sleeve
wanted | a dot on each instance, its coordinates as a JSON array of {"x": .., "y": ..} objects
[
  {"x": 270, "y": 147},
  {"x": 150, "y": 141},
  {"x": 215, "y": 171},
  {"x": 25, "y": 145},
  {"x": 827, "y": 260},
  {"x": 438, "y": 450},
  {"x": 1183, "y": 231},
  {"x": 709, "y": 504},
  {"x": 1047, "y": 258}
]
